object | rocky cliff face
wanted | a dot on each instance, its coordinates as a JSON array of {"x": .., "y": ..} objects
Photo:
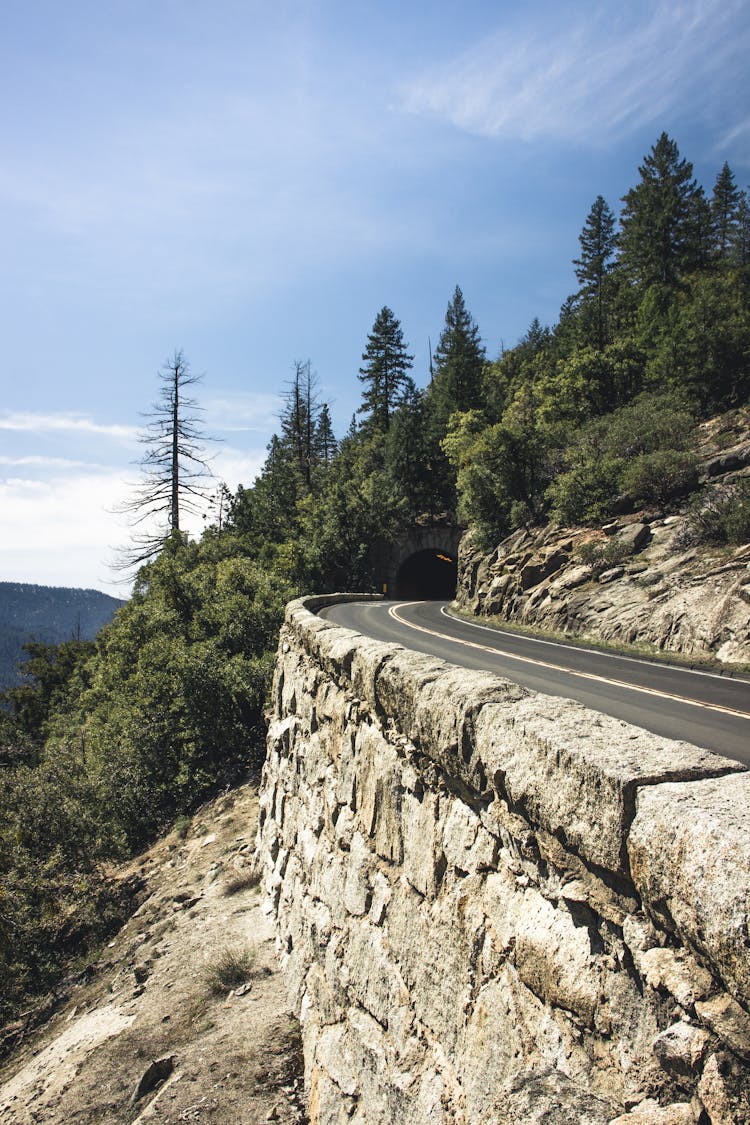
[
  {"x": 495, "y": 906},
  {"x": 633, "y": 581}
]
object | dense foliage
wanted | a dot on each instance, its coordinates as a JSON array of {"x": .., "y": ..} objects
[
  {"x": 598, "y": 413},
  {"x": 107, "y": 743}
]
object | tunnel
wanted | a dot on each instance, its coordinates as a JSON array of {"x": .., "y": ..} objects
[{"x": 427, "y": 574}]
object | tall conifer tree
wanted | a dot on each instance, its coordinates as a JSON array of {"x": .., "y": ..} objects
[
  {"x": 384, "y": 372},
  {"x": 598, "y": 241},
  {"x": 458, "y": 362},
  {"x": 740, "y": 248},
  {"x": 724, "y": 202},
  {"x": 299, "y": 418},
  {"x": 657, "y": 238}
]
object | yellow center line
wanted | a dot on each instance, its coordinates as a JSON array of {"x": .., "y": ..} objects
[{"x": 393, "y": 612}]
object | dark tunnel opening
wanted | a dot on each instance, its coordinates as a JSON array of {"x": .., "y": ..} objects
[{"x": 427, "y": 574}]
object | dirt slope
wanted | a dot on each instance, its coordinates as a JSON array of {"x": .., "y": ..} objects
[{"x": 229, "y": 1057}]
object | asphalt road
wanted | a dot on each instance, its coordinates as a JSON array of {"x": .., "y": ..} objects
[{"x": 700, "y": 707}]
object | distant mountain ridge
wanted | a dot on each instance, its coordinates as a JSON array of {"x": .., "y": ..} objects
[{"x": 50, "y": 614}]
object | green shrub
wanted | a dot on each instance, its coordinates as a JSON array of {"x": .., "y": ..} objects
[
  {"x": 661, "y": 475},
  {"x": 57, "y": 901},
  {"x": 584, "y": 493},
  {"x": 720, "y": 516},
  {"x": 602, "y": 555},
  {"x": 182, "y": 826},
  {"x": 640, "y": 448}
]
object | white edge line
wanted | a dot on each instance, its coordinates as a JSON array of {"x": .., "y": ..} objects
[
  {"x": 592, "y": 676},
  {"x": 585, "y": 648}
]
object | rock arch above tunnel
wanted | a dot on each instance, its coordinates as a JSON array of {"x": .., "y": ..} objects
[{"x": 429, "y": 573}]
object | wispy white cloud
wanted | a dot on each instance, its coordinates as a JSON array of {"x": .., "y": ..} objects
[
  {"x": 66, "y": 529},
  {"x": 64, "y": 422},
  {"x": 60, "y": 531},
  {"x": 235, "y": 466},
  {"x": 44, "y": 463},
  {"x": 739, "y": 133},
  {"x": 238, "y": 411},
  {"x": 590, "y": 76}
]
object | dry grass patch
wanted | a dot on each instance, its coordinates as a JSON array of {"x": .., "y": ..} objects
[{"x": 232, "y": 967}]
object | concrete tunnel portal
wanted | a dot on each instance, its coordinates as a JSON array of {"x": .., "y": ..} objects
[{"x": 427, "y": 574}]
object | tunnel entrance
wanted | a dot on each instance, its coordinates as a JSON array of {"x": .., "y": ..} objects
[{"x": 427, "y": 574}]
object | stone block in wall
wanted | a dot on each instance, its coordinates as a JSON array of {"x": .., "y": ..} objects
[
  {"x": 375, "y": 982},
  {"x": 681, "y": 1047},
  {"x": 321, "y": 999},
  {"x": 466, "y": 843},
  {"x": 724, "y": 1090},
  {"x": 676, "y": 972},
  {"x": 729, "y": 1020},
  {"x": 368, "y": 660},
  {"x": 509, "y": 1033},
  {"x": 437, "y": 946},
  {"x": 553, "y": 956},
  {"x": 356, "y": 880},
  {"x": 423, "y": 862},
  {"x": 539, "y": 1097},
  {"x": 333, "y": 1051},
  {"x": 576, "y": 774},
  {"x": 689, "y": 850},
  {"x": 373, "y": 1085},
  {"x": 445, "y": 719},
  {"x": 401, "y": 682},
  {"x": 327, "y": 1102},
  {"x": 649, "y": 1112},
  {"x": 379, "y": 786},
  {"x": 327, "y": 875}
]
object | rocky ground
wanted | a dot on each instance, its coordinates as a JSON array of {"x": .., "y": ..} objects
[
  {"x": 635, "y": 581},
  {"x": 183, "y": 1018}
]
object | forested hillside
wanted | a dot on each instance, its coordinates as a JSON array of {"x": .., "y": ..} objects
[
  {"x": 112, "y": 741},
  {"x": 48, "y": 615}
]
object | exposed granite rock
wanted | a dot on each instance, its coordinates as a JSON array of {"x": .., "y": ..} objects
[
  {"x": 724, "y": 1091},
  {"x": 495, "y": 906},
  {"x": 681, "y": 1048},
  {"x": 680, "y": 835},
  {"x": 683, "y": 601},
  {"x": 631, "y": 581},
  {"x": 649, "y": 1112}
]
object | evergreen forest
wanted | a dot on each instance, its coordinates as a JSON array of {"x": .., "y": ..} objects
[{"x": 108, "y": 742}]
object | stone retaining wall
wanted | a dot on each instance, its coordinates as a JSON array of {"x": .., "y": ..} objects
[{"x": 495, "y": 906}]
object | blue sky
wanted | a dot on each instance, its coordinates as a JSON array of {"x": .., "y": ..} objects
[{"x": 253, "y": 183}]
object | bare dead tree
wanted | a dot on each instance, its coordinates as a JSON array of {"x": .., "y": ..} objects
[{"x": 175, "y": 471}]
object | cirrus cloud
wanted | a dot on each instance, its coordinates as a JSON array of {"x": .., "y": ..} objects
[{"x": 586, "y": 74}]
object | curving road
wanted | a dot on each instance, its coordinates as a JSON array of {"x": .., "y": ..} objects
[{"x": 700, "y": 707}]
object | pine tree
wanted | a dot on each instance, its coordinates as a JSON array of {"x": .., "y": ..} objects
[
  {"x": 299, "y": 418},
  {"x": 700, "y": 232},
  {"x": 598, "y": 242},
  {"x": 458, "y": 362},
  {"x": 724, "y": 203},
  {"x": 657, "y": 237},
  {"x": 384, "y": 371},
  {"x": 740, "y": 246},
  {"x": 536, "y": 339},
  {"x": 326, "y": 445}
]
